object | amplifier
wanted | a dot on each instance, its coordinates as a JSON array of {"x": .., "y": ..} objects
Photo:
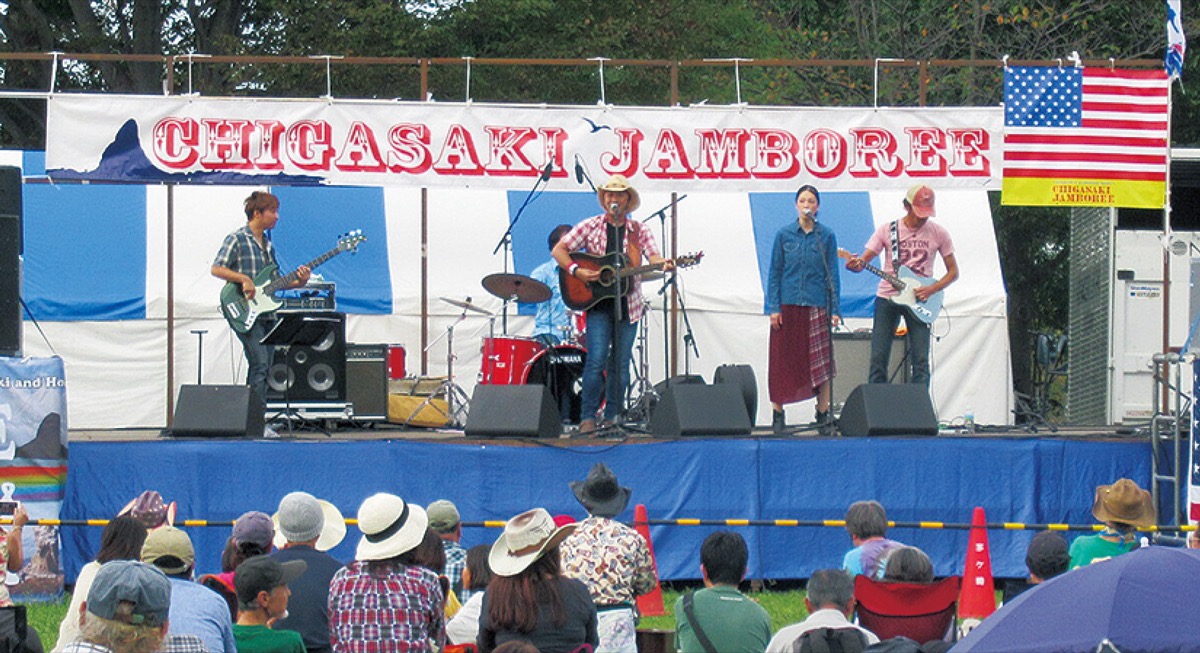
[
  {"x": 316, "y": 296},
  {"x": 367, "y": 381}
]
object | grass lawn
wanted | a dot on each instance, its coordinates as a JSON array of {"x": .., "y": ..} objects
[{"x": 784, "y": 607}]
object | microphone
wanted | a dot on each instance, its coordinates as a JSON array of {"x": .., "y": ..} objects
[
  {"x": 546, "y": 173},
  {"x": 807, "y": 212},
  {"x": 612, "y": 207},
  {"x": 578, "y": 170}
]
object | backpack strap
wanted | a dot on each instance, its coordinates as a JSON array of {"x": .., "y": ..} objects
[
  {"x": 705, "y": 642},
  {"x": 831, "y": 640}
]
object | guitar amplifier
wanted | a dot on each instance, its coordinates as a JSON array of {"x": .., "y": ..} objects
[{"x": 316, "y": 296}]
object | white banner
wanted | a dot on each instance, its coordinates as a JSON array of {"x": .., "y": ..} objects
[{"x": 151, "y": 139}]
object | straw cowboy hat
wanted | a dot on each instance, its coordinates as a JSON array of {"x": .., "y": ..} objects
[
  {"x": 390, "y": 526},
  {"x": 525, "y": 538},
  {"x": 1124, "y": 502},
  {"x": 302, "y": 517},
  {"x": 619, "y": 184},
  {"x": 600, "y": 493}
]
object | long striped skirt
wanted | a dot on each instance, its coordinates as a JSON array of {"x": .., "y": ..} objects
[{"x": 801, "y": 355}]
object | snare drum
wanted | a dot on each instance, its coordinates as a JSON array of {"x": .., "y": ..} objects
[
  {"x": 506, "y": 359},
  {"x": 561, "y": 370}
]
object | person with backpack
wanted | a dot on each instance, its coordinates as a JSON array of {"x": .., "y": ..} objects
[
  {"x": 719, "y": 618},
  {"x": 830, "y": 602}
]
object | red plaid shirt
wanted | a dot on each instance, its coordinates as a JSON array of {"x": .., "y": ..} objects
[
  {"x": 397, "y": 611},
  {"x": 591, "y": 236}
]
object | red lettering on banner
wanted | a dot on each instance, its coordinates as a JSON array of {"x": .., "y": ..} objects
[
  {"x": 360, "y": 152},
  {"x": 625, "y": 160},
  {"x": 775, "y": 154},
  {"x": 505, "y": 158},
  {"x": 668, "y": 158},
  {"x": 176, "y": 141},
  {"x": 722, "y": 154},
  {"x": 874, "y": 153},
  {"x": 309, "y": 144},
  {"x": 825, "y": 153},
  {"x": 270, "y": 140},
  {"x": 458, "y": 155},
  {"x": 970, "y": 146},
  {"x": 410, "y": 148},
  {"x": 553, "y": 139},
  {"x": 925, "y": 147},
  {"x": 226, "y": 144}
]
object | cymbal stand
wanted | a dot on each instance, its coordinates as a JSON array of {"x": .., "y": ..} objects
[
  {"x": 642, "y": 395},
  {"x": 457, "y": 402}
]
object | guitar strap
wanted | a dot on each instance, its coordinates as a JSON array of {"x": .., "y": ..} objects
[{"x": 895, "y": 246}]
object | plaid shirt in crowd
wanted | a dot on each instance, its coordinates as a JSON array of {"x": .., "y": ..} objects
[
  {"x": 591, "y": 237},
  {"x": 456, "y": 562},
  {"x": 241, "y": 253},
  {"x": 389, "y": 611},
  {"x": 610, "y": 558}
]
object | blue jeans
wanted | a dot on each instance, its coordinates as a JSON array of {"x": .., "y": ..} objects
[
  {"x": 887, "y": 318},
  {"x": 258, "y": 356},
  {"x": 609, "y": 348}
]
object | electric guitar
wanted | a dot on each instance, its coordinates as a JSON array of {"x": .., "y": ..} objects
[
  {"x": 242, "y": 313},
  {"x": 582, "y": 295},
  {"x": 906, "y": 282}
]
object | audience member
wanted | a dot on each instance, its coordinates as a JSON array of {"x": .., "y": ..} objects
[
  {"x": 262, "y": 590},
  {"x": 431, "y": 555},
  {"x": 444, "y": 520},
  {"x": 516, "y": 646},
  {"x": 10, "y": 549},
  {"x": 126, "y": 610},
  {"x": 1193, "y": 540},
  {"x": 908, "y": 564},
  {"x": 121, "y": 539},
  {"x": 719, "y": 617},
  {"x": 463, "y": 627},
  {"x": 252, "y": 536},
  {"x": 1122, "y": 507},
  {"x": 384, "y": 602},
  {"x": 1046, "y": 557},
  {"x": 195, "y": 610},
  {"x": 610, "y": 558},
  {"x": 150, "y": 509},
  {"x": 867, "y": 523},
  {"x": 829, "y": 599},
  {"x": 529, "y": 598},
  {"x": 305, "y": 528}
]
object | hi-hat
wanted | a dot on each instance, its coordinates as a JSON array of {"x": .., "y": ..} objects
[
  {"x": 516, "y": 286},
  {"x": 466, "y": 305}
]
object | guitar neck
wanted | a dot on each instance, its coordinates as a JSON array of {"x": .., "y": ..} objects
[
  {"x": 649, "y": 267},
  {"x": 890, "y": 278},
  {"x": 290, "y": 278}
]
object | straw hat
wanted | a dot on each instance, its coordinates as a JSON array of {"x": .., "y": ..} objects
[
  {"x": 619, "y": 184},
  {"x": 525, "y": 538},
  {"x": 1124, "y": 502},
  {"x": 390, "y": 526},
  {"x": 302, "y": 517}
]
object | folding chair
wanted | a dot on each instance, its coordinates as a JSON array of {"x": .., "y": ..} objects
[{"x": 917, "y": 611}]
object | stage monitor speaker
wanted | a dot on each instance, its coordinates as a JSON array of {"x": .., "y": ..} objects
[
  {"x": 367, "y": 381},
  {"x": 10, "y": 285},
  {"x": 888, "y": 409},
  {"x": 693, "y": 409},
  {"x": 311, "y": 373},
  {"x": 741, "y": 377},
  {"x": 218, "y": 411},
  {"x": 513, "y": 411}
]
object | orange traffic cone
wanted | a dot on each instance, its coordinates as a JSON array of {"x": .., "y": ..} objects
[
  {"x": 649, "y": 605},
  {"x": 978, "y": 598}
]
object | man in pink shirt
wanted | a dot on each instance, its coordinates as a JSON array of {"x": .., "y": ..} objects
[{"x": 913, "y": 239}]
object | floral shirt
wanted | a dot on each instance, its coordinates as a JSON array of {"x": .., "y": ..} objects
[
  {"x": 610, "y": 558},
  {"x": 398, "y": 610}
]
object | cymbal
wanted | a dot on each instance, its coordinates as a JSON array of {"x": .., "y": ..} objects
[
  {"x": 467, "y": 305},
  {"x": 516, "y": 286}
]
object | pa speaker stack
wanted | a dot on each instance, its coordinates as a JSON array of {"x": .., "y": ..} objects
[
  {"x": 311, "y": 373},
  {"x": 11, "y": 245}
]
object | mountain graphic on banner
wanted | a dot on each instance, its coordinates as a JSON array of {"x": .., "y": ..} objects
[{"x": 124, "y": 159}]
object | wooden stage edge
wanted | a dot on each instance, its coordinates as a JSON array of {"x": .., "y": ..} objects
[{"x": 384, "y": 431}]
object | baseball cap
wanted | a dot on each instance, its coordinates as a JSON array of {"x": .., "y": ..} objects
[
  {"x": 169, "y": 549},
  {"x": 254, "y": 527},
  {"x": 146, "y": 588},
  {"x": 920, "y": 198},
  {"x": 443, "y": 515},
  {"x": 263, "y": 574}
]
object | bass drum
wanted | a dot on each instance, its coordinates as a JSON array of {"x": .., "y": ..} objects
[{"x": 560, "y": 369}]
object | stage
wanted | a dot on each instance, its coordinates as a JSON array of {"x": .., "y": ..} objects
[{"x": 1017, "y": 477}]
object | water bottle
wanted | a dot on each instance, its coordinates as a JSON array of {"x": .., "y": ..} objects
[{"x": 969, "y": 421}]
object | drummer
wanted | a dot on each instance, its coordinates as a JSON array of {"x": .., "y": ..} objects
[{"x": 552, "y": 322}]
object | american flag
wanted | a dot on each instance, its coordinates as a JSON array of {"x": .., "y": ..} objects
[{"x": 1088, "y": 125}]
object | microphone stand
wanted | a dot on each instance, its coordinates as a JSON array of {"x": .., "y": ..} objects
[
  {"x": 689, "y": 337},
  {"x": 506, "y": 239},
  {"x": 661, "y": 214},
  {"x": 829, "y": 321}
]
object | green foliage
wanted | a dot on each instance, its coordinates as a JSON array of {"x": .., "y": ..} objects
[
  {"x": 45, "y": 618},
  {"x": 785, "y": 608}
]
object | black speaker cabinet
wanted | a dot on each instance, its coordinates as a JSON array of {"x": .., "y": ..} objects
[
  {"x": 367, "y": 381},
  {"x": 888, "y": 409},
  {"x": 10, "y": 285},
  {"x": 693, "y": 409},
  {"x": 311, "y": 373},
  {"x": 513, "y": 411},
  {"x": 218, "y": 411},
  {"x": 11, "y": 201},
  {"x": 741, "y": 377}
]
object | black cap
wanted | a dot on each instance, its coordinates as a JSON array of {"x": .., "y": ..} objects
[{"x": 263, "y": 574}]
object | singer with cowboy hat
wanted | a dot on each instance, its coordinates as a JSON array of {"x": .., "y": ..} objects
[{"x": 612, "y": 321}]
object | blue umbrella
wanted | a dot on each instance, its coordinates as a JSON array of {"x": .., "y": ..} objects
[{"x": 1140, "y": 602}]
